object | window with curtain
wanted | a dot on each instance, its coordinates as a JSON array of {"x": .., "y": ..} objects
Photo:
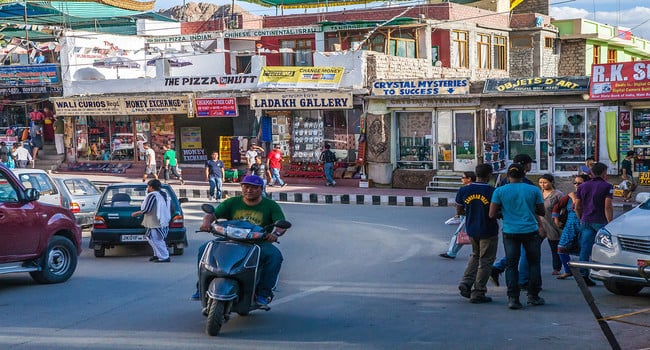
[
  {"x": 460, "y": 45},
  {"x": 301, "y": 55},
  {"x": 483, "y": 49}
]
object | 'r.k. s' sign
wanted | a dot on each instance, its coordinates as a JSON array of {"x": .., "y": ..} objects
[{"x": 622, "y": 80}]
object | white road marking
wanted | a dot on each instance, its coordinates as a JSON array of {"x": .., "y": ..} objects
[
  {"x": 292, "y": 297},
  {"x": 382, "y": 225},
  {"x": 412, "y": 251}
]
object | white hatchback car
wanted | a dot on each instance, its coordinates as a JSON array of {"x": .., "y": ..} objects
[
  {"x": 624, "y": 242},
  {"x": 41, "y": 181}
]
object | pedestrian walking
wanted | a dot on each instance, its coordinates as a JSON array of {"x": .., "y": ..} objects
[
  {"x": 150, "y": 162},
  {"x": 473, "y": 201},
  {"x": 259, "y": 169},
  {"x": 628, "y": 184},
  {"x": 59, "y": 131},
  {"x": 156, "y": 209},
  {"x": 454, "y": 247},
  {"x": 21, "y": 155},
  {"x": 519, "y": 203},
  {"x": 275, "y": 164},
  {"x": 170, "y": 164},
  {"x": 327, "y": 157},
  {"x": 549, "y": 230},
  {"x": 253, "y": 151},
  {"x": 594, "y": 208},
  {"x": 215, "y": 173}
]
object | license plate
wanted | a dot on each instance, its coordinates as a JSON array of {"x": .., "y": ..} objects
[
  {"x": 132, "y": 238},
  {"x": 642, "y": 263}
]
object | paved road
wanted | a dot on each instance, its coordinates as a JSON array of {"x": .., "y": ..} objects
[{"x": 360, "y": 277}]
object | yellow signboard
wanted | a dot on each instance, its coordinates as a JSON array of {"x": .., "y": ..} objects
[
  {"x": 300, "y": 77},
  {"x": 644, "y": 178}
]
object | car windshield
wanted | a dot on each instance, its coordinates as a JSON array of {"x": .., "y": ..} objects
[
  {"x": 38, "y": 181},
  {"x": 80, "y": 187},
  {"x": 645, "y": 205},
  {"x": 130, "y": 197}
]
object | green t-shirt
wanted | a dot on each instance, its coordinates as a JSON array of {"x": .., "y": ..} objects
[
  {"x": 171, "y": 155},
  {"x": 264, "y": 213}
]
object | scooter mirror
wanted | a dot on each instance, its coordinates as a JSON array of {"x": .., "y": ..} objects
[
  {"x": 282, "y": 224},
  {"x": 207, "y": 208}
]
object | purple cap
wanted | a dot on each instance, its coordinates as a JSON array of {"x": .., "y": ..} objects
[{"x": 253, "y": 180}]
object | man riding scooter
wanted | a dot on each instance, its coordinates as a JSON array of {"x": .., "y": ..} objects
[{"x": 258, "y": 210}]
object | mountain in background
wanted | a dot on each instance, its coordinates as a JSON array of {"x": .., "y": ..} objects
[{"x": 197, "y": 12}]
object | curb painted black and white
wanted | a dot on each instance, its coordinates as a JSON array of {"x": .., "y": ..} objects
[{"x": 354, "y": 199}]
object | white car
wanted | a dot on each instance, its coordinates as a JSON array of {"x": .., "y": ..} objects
[
  {"x": 624, "y": 242},
  {"x": 41, "y": 181}
]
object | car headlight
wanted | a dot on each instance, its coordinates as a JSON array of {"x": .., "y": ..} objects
[{"x": 604, "y": 239}]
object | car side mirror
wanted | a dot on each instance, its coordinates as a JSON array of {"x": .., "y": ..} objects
[
  {"x": 207, "y": 208},
  {"x": 183, "y": 200},
  {"x": 32, "y": 194},
  {"x": 282, "y": 224}
]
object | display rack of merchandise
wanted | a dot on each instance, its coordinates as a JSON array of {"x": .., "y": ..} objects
[
  {"x": 225, "y": 150},
  {"x": 415, "y": 153},
  {"x": 307, "y": 138}
]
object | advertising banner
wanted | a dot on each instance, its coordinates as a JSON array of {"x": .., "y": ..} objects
[
  {"x": 301, "y": 100},
  {"x": 88, "y": 106},
  {"x": 620, "y": 81},
  {"x": 156, "y": 105},
  {"x": 300, "y": 77},
  {"x": 191, "y": 142},
  {"x": 37, "y": 74},
  {"x": 216, "y": 107},
  {"x": 544, "y": 84},
  {"x": 421, "y": 87}
]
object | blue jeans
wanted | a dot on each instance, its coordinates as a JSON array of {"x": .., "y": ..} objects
[
  {"x": 270, "y": 264},
  {"x": 587, "y": 237},
  {"x": 531, "y": 243},
  {"x": 275, "y": 177},
  {"x": 329, "y": 172},
  {"x": 216, "y": 183}
]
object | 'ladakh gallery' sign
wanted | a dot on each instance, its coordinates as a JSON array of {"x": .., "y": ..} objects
[
  {"x": 72, "y": 106},
  {"x": 536, "y": 84},
  {"x": 301, "y": 100},
  {"x": 623, "y": 80}
]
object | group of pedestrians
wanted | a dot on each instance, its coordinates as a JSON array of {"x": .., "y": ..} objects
[{"x": 528, "y": 214}]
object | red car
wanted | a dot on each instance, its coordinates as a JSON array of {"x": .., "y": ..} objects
[{"x": 38, "y": 238}]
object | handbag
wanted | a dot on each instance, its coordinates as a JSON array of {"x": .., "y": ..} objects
[{"x": 462, "y": 237}]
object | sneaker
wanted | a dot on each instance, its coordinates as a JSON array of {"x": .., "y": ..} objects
[
  {"x": 182, "y": 182},
  {"x": 196, "y": 295},
  {"x": 328, "y": 184},
  {"x": 284, "y": 184},
  {"x": 153, "y": 258},
  {"x": 514, "y": 304},
  {"x": 446, "y": 256},
  {"x": 333, "y": 183},
  {"x": 162, "y": 260},
  {"x": 494, "y": 276},
  {"x": 481, "y": 299},
  {"x": 535, "y": 300},
  {"x": 262, "y": 303},
  {"x": 465, "y": 290}
]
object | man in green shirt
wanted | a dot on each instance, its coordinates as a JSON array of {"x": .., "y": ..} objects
[
  {"x": 170, "y": 163},
  {"x": 258, "y": 210}
]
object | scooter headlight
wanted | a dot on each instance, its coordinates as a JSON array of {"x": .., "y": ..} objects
[
  {"x": 237, "y": 232},
  {"x": 604, "y": 239}
]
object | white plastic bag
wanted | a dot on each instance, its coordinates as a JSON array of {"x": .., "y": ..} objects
[
  {"x": 624, "y": 185},
  {"x": 453, "y": 221}
]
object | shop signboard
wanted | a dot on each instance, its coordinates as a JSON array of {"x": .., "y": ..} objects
[
  {"x": 301, "y": 100},
  {"x": 216, "y": 107},
  {"x": 88, "y": 106},
  {"x": 536, "y": 84},
  {"x": 156, "y": 105},
  {"x": 191, "y": 140},
  {"x": 622, "y": 80},
  {"x": 28, "y": 90},
  {"x": 259, "y": 32},
  {"x": 420, "y": 87},
  {"x": 300, "y": 77},
  {"x": 35, "y": 74},
  {"x": 644, "y": 178}
]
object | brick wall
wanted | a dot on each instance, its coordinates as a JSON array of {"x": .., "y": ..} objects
[
  {"x": 572, "y": 55},
  {"x": 521, "y": 63}
]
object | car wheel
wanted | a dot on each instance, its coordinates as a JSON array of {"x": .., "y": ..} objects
[
  {"x": 100, "y": 252},
  {"x": 622, "y": 288},
  {"x": 58, "y": 262}
]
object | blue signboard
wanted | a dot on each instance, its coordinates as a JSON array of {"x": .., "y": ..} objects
[{"x": 27, "y": 75}]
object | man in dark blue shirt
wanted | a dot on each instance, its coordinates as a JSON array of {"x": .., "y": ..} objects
[
  {"x": 214, "y": 174},
  {"x": 473, "y": 201}
]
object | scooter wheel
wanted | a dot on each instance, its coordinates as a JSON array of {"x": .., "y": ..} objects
[{"x": 216, "y": 309}]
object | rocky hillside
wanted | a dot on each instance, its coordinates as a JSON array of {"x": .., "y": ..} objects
[{"x": 196, "y": 12}]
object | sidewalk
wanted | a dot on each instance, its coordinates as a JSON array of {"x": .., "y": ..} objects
[
  {"x": 308, "y": 190},
  {"x": 300, "y": 190}
]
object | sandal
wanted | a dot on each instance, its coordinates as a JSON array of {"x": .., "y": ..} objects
[
  {"x": 555, "y": 272},
  {"x": 564, "y": 276}
]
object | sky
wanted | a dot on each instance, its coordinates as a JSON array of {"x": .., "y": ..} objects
[{"x": 624, "y": 13}]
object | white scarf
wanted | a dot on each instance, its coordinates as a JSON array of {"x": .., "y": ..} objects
[{"x": 163, "y": 208}]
